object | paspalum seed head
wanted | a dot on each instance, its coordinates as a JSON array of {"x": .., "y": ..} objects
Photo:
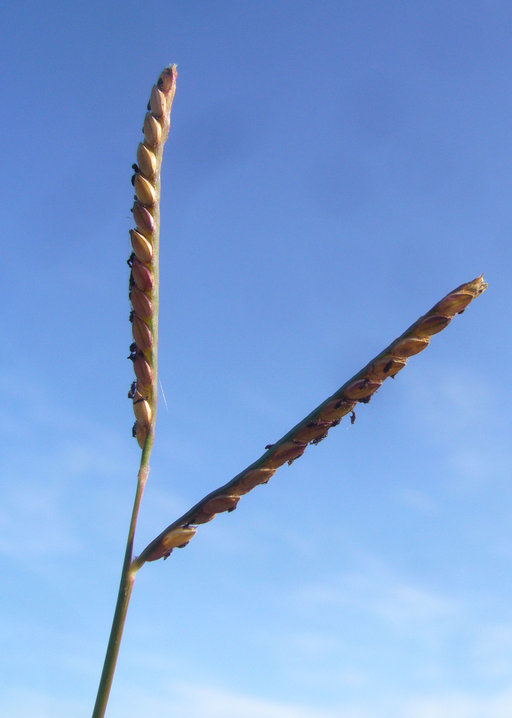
[
  {"x": 146, "y": 160},
  {"x": 152, "y": 130},
  {"x": 142, "y": 247}
]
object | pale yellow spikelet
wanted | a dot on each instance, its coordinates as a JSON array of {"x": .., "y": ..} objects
[
  {"x": 152, "y": 130},
  {"x": 146, "y": 161},
  {"x": 142, "y": 411},
  {"x": 141, "y": 246},
  {"x": 144, "y": 190}
]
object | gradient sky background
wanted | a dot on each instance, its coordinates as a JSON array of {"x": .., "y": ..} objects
[{"x": 333, "y": 170}]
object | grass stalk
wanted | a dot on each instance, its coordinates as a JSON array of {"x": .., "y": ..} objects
[{"x": 143, "y": 294}]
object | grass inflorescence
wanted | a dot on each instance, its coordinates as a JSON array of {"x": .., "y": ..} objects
[
  {"x": 314, "y": 428},
  {"x": 143, "y": 295}
]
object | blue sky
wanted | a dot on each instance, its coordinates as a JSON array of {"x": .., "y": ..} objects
[{"x": 333, "y": 170}]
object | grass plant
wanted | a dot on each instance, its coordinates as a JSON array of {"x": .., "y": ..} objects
[{"x": 143, "y": 293}]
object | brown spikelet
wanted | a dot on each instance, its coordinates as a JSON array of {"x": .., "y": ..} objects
[
  {"x": 143, "y": 292},
  {"x": 141, "y": 303},
  {"x": 315, "y": 426},
  {"x": 178, "y": 538}
]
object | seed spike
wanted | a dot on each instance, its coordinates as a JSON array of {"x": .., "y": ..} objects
[{"x": 314, "y": 428}]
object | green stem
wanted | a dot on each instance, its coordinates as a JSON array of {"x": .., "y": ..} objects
[{"x": 125, "y": 590}]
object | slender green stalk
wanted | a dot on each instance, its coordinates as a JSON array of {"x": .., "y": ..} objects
[
  {"x": 123, "y": 599},
  {"x": 144, "y": 282}
]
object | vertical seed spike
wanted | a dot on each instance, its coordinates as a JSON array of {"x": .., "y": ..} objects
[{"x": 143, "y": 262}]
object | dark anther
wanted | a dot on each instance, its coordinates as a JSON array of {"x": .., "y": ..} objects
[
  {"x": 133, "y": 389},
  {"x": 335, "y": 422},
  {"x": 269, "y": 446},
  {"x": 136, "y": 168},
  {"x": 365, "y": 400},
  {"x": 318, "y": 439},
  {"x": 130, "y": 259},
  {"x": 134, "y": 430},
  {"x": 148, "y": 106},
  {"x": 132, "y": 314},
  {"x": 352, "y": 417},
  {"x": 131, "y": 282}
]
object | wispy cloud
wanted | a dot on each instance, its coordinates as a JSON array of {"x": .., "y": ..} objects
[
  {"x": 378, "y": 591},
  {"x": 198, "y": 700}
]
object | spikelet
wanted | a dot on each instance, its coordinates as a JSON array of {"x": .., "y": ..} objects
[
  {"x": 143, "y": 262},
  {"x": 314, "y": 428}
]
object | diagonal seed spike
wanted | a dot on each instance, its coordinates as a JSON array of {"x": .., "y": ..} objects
[{"x": 315, "y": 426}]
